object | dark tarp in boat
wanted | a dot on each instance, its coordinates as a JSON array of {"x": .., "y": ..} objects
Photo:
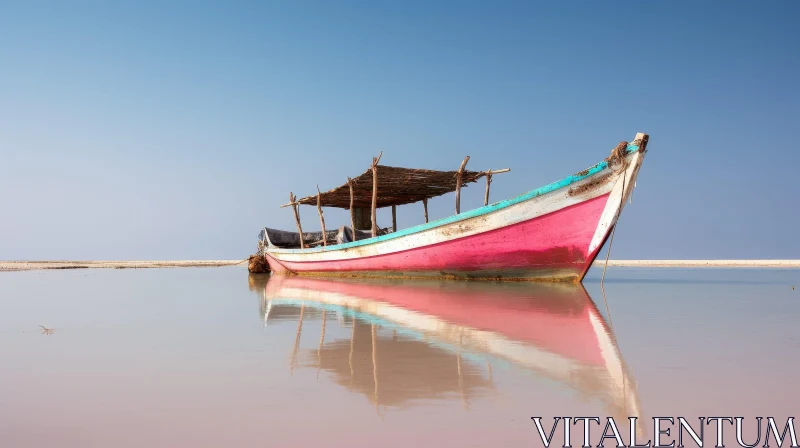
[{"x": 284, "y": 239}]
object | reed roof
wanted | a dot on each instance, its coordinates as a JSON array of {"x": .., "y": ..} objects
[{"x": 396, "y": 186}]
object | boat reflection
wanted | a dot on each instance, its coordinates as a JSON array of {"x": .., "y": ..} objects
[{"x": 421, "y": 340}]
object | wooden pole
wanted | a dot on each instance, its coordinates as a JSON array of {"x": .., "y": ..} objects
[
  {"x": 352, "y": 210},
  {"x": 321, "y": 218},
  {"x": 375, "y": 161},
  {"x": 394, "y": 218},
  {"x": 504, "y": 170},
  {"x": 488, "y": 182},
  {"x": 293, "y": 202},
  {"x": 425, "y": 207},
  {"x": 459, "y": 181}
]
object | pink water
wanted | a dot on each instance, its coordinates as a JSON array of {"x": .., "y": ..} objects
[{"x": 182, "y": 357}]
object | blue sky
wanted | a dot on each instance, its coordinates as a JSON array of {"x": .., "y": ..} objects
[{"x": 174, "y": 130}]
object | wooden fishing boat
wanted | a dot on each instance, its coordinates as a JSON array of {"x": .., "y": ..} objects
[
  {"x": 406, "y": 333},
  {"x": 552, "y": 233}
]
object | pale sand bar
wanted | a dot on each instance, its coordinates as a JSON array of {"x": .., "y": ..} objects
[
  {"x": 33, "y": 265},
  {"x": 702, "y": 263}
]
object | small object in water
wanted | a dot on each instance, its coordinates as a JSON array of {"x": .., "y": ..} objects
[
  {"x": 46, "y": 330},
  {"x": 258, "y": 264}
]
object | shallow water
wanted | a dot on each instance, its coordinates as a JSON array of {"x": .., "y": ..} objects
[{"x": 208, "y": 357}]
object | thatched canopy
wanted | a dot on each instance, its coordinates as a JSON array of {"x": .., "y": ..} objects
[{"x": 396, "y": 186}]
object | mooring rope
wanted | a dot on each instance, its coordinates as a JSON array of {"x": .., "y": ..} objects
[
  {"x": 616, "y": 154},
  {"x": 608, "y": 252}
]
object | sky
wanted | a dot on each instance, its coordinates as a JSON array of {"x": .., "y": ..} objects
[{"x": 175, "y": 130}]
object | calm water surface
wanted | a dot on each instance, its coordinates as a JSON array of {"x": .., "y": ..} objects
[{"x": 215, "y": 357}]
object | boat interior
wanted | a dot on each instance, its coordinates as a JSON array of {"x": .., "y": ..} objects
[{"x": 291, "y": 240}]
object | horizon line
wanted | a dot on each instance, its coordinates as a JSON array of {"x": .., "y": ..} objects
[{"x": 26, "y": 265}]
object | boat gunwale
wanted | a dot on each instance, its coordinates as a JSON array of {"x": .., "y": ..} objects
[{"x": 486, "y": 209}]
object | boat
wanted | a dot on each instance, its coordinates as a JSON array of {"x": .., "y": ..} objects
[
  {"x": 552, "y": 233},
  {"x": 412, "y": 340}
]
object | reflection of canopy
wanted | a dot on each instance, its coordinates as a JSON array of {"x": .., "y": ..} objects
[
  {"x": 404, "y": 369},
  {"x": 396, "y": 186}
]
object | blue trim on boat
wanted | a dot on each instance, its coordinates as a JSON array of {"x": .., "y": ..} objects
[{"x": 567, "y": 181}]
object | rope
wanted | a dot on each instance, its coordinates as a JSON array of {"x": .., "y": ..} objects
[
  {"x": 605, "y": 266},
  {"x": 615, "y": 154},
  {"x": 619, "y": 153}
]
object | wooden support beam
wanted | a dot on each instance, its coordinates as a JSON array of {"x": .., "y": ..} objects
[
  {"x": 488, "y": 183},
  {"x": 321, "y": 219},
  {"x": 425, "y": 206},
  {"x": 375, "y": 161},
  {"x": 459, "y": 181},
  {"x": 504, "y": 170},
  {"x": 293, "y": 203},
  {"x": 488, "y": 174},
  {"x": 394, "y": 218},
  {"x": 352, "y": 210}
]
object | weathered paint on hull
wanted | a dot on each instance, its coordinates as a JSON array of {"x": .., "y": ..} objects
[{"x": 551, "y": 247}]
